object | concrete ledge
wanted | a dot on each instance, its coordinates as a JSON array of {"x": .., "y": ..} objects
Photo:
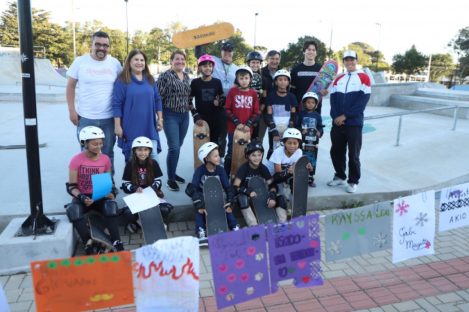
[
  {"x": 382, "y": 92},
  {"x": 444, "y": 94},
  {"x": 412, "y": 102}
]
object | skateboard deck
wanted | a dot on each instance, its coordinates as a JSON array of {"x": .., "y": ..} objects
[
  {"x": 202, "y": 35},
  {"x": 201, "y": 136},
  {"x": 98, "y": 233},
  {"x": 300, "y": 187},
  {"x": 325, "y": 77},
  {"x": 310, "y": 145},
  {"x": 152, "y": 225},
  {"x": 214, "y": 202},
  {"x": 264, "y": 214},
  {"x": 240, "y": 140}
]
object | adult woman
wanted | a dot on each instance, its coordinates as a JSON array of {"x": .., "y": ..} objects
[
  {"x": 175, "y": 89},
  {"x": 136, "y": 105}
]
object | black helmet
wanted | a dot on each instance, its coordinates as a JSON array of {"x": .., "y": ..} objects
[
  {"x": 252, "y": 147},
  {"x": 254, "y": 55}
]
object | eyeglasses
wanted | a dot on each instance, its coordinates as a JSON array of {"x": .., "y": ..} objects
[{"x": 99, "y": 45}]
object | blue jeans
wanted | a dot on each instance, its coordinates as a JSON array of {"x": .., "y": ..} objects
[
  {"x": 175, "y": 128},
  {"x": 107, "y": 125},
  {"x": 229, "y": 154},
  {"x": 201, "y": 221}
]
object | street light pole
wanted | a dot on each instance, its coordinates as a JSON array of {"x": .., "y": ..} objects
[
  {"x": 379, "y": 44},
  {"x": 127, "y": 22},
  {"x": 73, "y": 31},
  {"x": 255, "y": 29}
]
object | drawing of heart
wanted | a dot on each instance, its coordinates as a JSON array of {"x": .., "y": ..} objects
[
  {"x": 244, "y": 277},
  {"x": 231, "y": 278},
  {"x": 222, "y": 268},
  {"x": 239, "y": 264},
  {"x": 306, "y": 279},
  {"x": 314, "y": 244},
  {"x": 222, "y": 290},
  {"x": 301, "y": 264},
  {"x": 251, "y": 250}
]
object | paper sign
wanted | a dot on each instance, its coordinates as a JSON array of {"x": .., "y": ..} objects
[
  {"x": 4, "y": 307},
  {"x": 142, "y": 201},
  {"x": 294, "y": 252},
  {"x": 102, "y": 185},
  {"x": 413, "y": 226},
  {"x": 167, "y": 275},
  {"x": 358, "y": 231},
  {"x": 239, "y": 265},
  {"x": 454, "y": 207},
  {"x": 83, "y": 283}
]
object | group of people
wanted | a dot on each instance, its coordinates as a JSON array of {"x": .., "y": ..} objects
[{"x": 127, "y": 103}]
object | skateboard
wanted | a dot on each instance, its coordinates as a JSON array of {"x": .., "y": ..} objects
[
  {"x": 264, "y": 214},
  {"x": 240, "y": 139},
  {"x": 202, "y": 35},
  {"x": 310, "y": 140},
  {"x": 214, "y": 202},
  {"x": 153, "y": 227},
  {"x": 300, "y": 187},
  {"x": 201, "y": 136},
  {"x": 98, "y": 233},
  {"x": 324, "y": 78}
]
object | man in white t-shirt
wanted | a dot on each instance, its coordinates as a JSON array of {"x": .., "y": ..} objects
[{"x": 94, "y": 74}]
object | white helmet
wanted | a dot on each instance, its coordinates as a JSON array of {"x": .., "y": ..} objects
[
  {"x": 142, "y": 141},
  {"x": 282, "y": 72},
  {"x": 292, "y": 133},
  {"x": 90, "y": 133},
  {"x": 205, "y": 149},
  {"x": 245, "y": 68},
  {"x": 310, "y": 95}
]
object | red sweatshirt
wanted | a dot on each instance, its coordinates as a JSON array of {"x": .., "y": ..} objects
[{"x": 242, "y": 106}]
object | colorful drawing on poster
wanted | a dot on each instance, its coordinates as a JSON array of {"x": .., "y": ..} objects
[
  {"x": 413, "y": 226},
  {"x": 167, "y": 275},
  {"x": 239, "y": 265},
  {"x": 83, "y": 283},
  {"x": 294, "y": 252},
  {"x": 358, "y": 231},
  {"x": 454, "y": 207}
]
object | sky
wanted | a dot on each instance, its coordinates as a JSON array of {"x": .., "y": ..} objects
[{"x": 391, "y": 26}]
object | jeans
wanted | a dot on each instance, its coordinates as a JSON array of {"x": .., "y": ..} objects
[
  {"x": 229, "y": 155},
  {"x": 344, "y": 137},
  {"x": 107, "y": 125},
  {"x": 175, "y": 128}
]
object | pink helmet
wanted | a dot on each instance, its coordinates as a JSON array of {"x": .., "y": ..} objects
[{"x": 206, "y": 58}]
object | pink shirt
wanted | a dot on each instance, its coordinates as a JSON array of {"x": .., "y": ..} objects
[{"x": 86, "y": 167}]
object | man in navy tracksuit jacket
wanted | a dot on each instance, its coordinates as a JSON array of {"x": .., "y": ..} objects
[{"x": 349, "y": 95}]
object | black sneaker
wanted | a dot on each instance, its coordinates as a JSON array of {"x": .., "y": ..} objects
[
  {"x": 179, "y": 179},
  {"x": 172, "y": 185},
  {"x": 118, "y": 245},
  {"x": 89, "y": 248}
]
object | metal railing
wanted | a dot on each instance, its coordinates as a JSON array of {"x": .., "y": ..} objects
[{"x": 400, "y": 114}]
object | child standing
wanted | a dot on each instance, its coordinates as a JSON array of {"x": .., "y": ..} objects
[
  {"x": 310, "y": 123},
  {"x": 140, "y": 172},
  {"x": 242, "y": 108},
  {"x": 209, "y": 98},
  {"x": 255, "y": 168},
  {"x": 254, "y": 61},
  {"x": 281, "y": 109},
  {"x": 82, "y": 166},
  {"x": 210, "y": 157}
]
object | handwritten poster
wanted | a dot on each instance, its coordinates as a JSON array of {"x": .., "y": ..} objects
[
  {"x": 142, "y": 201},
  {"x": 167, "y": 275},
  {"x": 413, "y": 226},
  {"x": 358, "y": 231},
  {"x": 294, "y": 252},
  {"x": 102, "y": 185},
  {"x": 454, "y": 207},
  {"x": 83, "y": 283},
  {"x": 4, "y": 307},
  {"x": 239, "y": 265}
]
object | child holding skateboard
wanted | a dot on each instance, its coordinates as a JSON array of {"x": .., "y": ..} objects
[
  {"x": 140, "y": 172},
  {"x": 281, "y": 109},
  {"x": 254, "y": 61},
  {"x": 255, "y": 168},
  {"x": 310, "y": 125},
  {"x": 82, "y": 166},
  {"x": 242, "y": 108},
  {"x": 210, "y": 157}
]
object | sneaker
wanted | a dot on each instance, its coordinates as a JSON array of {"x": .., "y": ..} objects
[
  {"x": 172, "y": 185},
  {"x": 118, "y": 245},
  {"x": 203, "y": 241},
  {"x": 351, "y": 188},
  {"x": 179, "y": 179},
  {"x": 336, "y": 181},
  {"x": 311, "y": 183},
  {"x": 89, "y": 248},
  {"x": 236, "y": 228}
]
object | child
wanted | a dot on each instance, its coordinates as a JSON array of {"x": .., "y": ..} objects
[
  {"x": 242, "y": 108},
  {"x": 254, "y": 61},
  {"x": 209, "y": 98},
  {"x": 281, "y": 109},
  {"x": 254, "y": 168},
  {"x": 210, "y": 157},
  {"x": 310, "y": 123},
  {"x": 82, "y": 166},
  {"x": 140, "y": 172}
]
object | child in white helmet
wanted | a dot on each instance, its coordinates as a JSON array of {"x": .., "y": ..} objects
[
  {"x": 142, "y": 171},
  {"x": 82, "y": 166},
  {"x": 210, "y": 157}
]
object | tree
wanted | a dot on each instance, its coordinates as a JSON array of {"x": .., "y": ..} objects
[
  {"x": 460, "y": 45},
  {"x": 441, "y": 66},
  {"x": 293, "y": 54},
  {"x": 412, "y": 62}
]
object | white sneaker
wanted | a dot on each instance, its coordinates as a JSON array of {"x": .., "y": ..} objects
[
  {"x": 236, "y": 228},
  {"x": 203, "y": 241},
  {"x": 336, "y": 181},
  {"x": 351, "y": 188}
]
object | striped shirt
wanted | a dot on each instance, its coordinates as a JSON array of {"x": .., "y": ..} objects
[{"x": 174, "y": 92}]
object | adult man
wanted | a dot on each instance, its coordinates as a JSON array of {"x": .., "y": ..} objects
[
  {"x": 303, "y": 74},
  {"x": 349, "y": 95},
  {"x": 94, "y": 74}
]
